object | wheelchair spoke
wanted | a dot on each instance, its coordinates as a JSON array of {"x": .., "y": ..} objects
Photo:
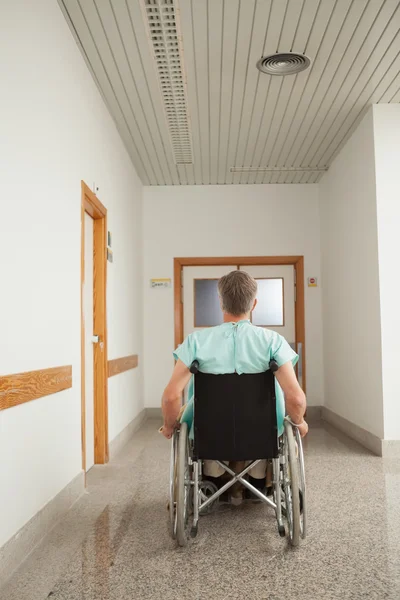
[
  {"x": 185, "y": 487},
  {"x": 287, "y": 492},
  {"x": 207, "y": 490},
  {"x": 172, "y": 485},
  {"x": 292, "y": 484},
  {"x": 303, "y": 495}
]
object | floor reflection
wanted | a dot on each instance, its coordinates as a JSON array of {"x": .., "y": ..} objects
[{"x": 352, "y": 551}]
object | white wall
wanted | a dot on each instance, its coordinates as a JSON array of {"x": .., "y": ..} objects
[
  {"x": 387, "y": 158},
  {"x": 55, "y": 131},
  {"x": 225, "y": 221},
  {"x": 351, "y": 307}
]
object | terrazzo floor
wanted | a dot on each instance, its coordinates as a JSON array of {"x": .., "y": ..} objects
[{"x": 114, "y": 543}]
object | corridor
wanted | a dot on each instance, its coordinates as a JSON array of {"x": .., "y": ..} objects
[
  {"x": 151, "y": 149},
  {"x": 114, "y": 543}
]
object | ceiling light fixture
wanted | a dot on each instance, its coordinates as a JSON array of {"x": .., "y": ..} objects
[
  {"x": 277, "y": 169},
  {"x": 165, "y": 38}
]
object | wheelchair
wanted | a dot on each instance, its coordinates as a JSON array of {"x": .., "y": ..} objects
[{"x": 235, "y": 420}]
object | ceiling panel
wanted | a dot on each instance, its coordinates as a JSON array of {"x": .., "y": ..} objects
[
  {"x": 344, "y": 19},
  {"x": 216, "y": 15},
  {"x": 320, "y": 44},
  {"x": 249, "y": 38},
  {"x": 199, "y": 69},
  {"x": 179, "y": 78}
]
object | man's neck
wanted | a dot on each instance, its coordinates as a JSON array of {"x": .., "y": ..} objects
[{"x": 235, "y": 318}]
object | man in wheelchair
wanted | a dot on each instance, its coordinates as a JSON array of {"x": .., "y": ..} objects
[{"x": 236, "y": 347}]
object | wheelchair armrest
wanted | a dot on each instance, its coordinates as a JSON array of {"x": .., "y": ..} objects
[
  {"x": 194, "y": 367},
  {"x": 273, "y": 365}
]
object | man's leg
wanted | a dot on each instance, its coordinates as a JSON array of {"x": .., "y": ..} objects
[
  {"x": 237, "y": 488},
  {"x": 212, "y": 469},
  {"x": 259, "y": 471},
  {"x": 258, "y": 475}
]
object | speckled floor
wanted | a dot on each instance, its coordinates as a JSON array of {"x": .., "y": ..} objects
[{"x": 114, "y": 544}]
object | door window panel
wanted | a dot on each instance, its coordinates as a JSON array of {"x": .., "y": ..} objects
[
  {"x": 269, "y": 310},
  {"x": 207, "y": 309}
]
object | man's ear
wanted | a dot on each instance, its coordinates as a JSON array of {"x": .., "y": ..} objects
[{"x": 254, "y": 305}]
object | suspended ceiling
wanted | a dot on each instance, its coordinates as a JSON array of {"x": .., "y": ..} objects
[{"x": 180, "y": 80}]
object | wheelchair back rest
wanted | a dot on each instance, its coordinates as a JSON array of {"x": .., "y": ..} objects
[{"x": 235, "y": 416}]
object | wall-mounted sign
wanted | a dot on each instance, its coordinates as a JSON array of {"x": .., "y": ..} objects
[
  {"x": 110, "y": 255},
  {"x": 160, "y": 283},
  {"x": 312, "y": 282},
  {"x": 109, "y": 240}
]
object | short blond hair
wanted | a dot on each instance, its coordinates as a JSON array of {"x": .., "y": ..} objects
[{"x": 237, "y": 291}]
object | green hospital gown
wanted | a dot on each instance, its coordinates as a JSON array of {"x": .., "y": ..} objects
[{"x": 235, "y": 348}]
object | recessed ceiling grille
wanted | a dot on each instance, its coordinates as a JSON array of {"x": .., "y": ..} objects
[
  {"x": 163, "y": 26},
  {"x": 283, "y": 64}
]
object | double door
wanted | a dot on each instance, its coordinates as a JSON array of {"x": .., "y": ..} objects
[{"x": 276, "y": 299}]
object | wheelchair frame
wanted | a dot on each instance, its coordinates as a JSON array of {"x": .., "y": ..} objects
[{"x": 191, "y": 495}]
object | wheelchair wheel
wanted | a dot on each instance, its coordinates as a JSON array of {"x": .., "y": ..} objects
[
  {"x": 291, "y": 485},
  {"x": 208, "y": 489},
  {"x": 172, "y": 484},
  {"x": 183, "y": 492},
  {"x": 302, "y": 484}
]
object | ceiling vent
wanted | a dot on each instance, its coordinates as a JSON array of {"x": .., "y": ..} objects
[
  {"x": 162, "y": 18},
  {"x": 283, "y": 64}
]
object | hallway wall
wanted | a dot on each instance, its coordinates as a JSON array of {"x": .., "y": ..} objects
[
  {"x": 386, "y": 120},
  {"x": 236, "y": 220},
  {"x": 350, "y": 286},
  {"x": 56, "y": 131}
]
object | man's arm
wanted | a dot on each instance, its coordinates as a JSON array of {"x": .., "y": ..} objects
[
  {"x": 295, "y": 399},
  {"x": 172, "y": 397}
]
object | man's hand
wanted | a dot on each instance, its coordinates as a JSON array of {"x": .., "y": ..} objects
[
  {"x": 172, "y": 398},
  {"x": 303, "y": 429},
  {"x": 295, "y": 400},
  {"x": 167, "y": 432}
]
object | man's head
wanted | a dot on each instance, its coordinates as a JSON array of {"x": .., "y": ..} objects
[{"x": 238, "y": 292}]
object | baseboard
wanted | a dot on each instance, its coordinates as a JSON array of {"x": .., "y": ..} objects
[
  {"x": 313, "y": 414},
  {"x": 360, "y": 435},
  {"x": 153, "y": 413},
  {"x": 117, "y": 444},
  {"x": 18, "y": 548},
  {"x": 391, "y": 448}
]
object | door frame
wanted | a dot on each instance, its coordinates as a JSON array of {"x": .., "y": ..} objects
[
  {"x": 91, "y": 205},
  {"x": 296, "y": 261}
]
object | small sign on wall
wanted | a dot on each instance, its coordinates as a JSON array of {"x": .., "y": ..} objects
[
  {"x": 110, "y": 255},
  {"x": 160, "y": 283},
  {"x": 312, "y": 282}
]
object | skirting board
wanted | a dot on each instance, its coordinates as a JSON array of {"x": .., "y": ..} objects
[
  {"x": 391, "y": 448},
  {"x": 384, "y": 448},
  {"x": 314, "y": 414},
  {"x": 360, "y": 435},
  {"x": 153, "y": 413},
  {"x": 18, "y": 548},
  {"x": 126, "y": 434}
]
